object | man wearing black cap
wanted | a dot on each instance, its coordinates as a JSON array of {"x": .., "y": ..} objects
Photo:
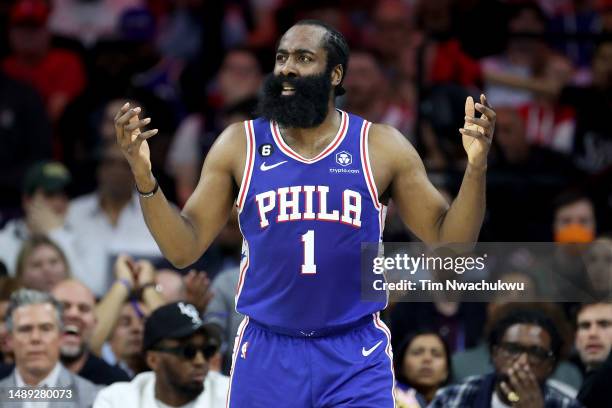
[
  {"x": 177, "y": 346},
  {"x": 45, "y": 205}
]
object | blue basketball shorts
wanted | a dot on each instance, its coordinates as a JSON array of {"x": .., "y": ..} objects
[{"x": 353, "y": 368}]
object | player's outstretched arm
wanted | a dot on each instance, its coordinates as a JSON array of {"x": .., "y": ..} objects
[
  {"x": 183, "y": 236},
  {"x": 421, "y": 206}
]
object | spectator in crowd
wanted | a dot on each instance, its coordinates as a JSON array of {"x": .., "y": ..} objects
[
  {"x": 231, "y": 98},
  {"x": 26, "y": 138},
  {"x": 121, "y": 314},
  {"x": 57, "y": 74},
  {"x": 41, "y": 264},
  {"x": 45, "y": 204},
  {"x": 598, "y": 263},
  {"x": 477, "y": 361},
  {"x": 178, "y": 347},
  {"x": 574, "y": 218},
  {"x": 34, "y": 320},
  {"x": 524, "y": 57},
  {"x": 108, "y": 222},
  {"x": 132, "y": 280},
  {"x": 593, "y": 334},
  {"x": 124, "y": 346},
  {"x": 368, "y": 94},
  {"x": 422, "y": 366},
  {"x": 525, "y": 348},
  {"x": 79, "y": 322}
]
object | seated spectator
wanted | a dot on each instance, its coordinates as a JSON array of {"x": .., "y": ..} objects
[
  {"x": 593, "y": 334},
  {"x": 133, "y": 280},
  {"x": 477, "y": 361},
  {"x": 525, "y": 53},
  {"x": 178, "y": 347},
  {"x": 525, "y": 348},
  {"x": 34, "y": 320},
  {"x": 57, "y": 74},
  {"x": 108, "y": 222},
  {"x": 44, "y": 203},
  {"x": 368, "y": 94},
  {"x": 41, "y": 264},
  {"x": 79, "y": 323},
  {"x": 422, "y": 366},
  {"x": 124, "y": 346}
]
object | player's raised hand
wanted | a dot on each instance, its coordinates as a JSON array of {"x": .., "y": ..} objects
[
  {"x": 478, "y": 131},
  {"x": 131, "y": 138}
]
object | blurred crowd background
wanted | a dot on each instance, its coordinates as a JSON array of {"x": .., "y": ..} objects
[{"x": 68, "y": 208}]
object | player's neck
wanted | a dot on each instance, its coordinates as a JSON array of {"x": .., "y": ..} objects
[{"x": 310, "y": 141}]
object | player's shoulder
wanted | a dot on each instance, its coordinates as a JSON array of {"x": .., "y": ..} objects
[
  {"x": 231, "y": 141},
  {"x": 387, "y": 139}
]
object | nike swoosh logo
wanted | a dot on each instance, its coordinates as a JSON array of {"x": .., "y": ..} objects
[
  {"x": 263, "y": 166},
  {"x": 370, "y": 350}
]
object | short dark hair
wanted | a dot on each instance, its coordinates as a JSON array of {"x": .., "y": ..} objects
[
  {"x": 569, "y": 197},
  {"x": 532, "y": 317},
  {"x": 337, "y": 49},
  {"x": 398, "y": 356},
  {"x": 585, "y": 305}
]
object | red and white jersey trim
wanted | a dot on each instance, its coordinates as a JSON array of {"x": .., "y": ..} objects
[
  {"x": 248, "y": 165},
  {"x": 380, "y": 325},
  {"x": 342, "y": 130},
  {"x": 237, "y": 342}
]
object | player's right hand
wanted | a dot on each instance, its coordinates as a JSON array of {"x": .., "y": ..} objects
[{"x": 132, "y": 140}]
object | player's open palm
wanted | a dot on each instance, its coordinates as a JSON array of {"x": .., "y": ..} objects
[
  {"x": 478, "y": 132},
  {"x": 131, "y": 138}
]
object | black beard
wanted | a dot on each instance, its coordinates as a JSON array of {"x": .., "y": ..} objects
[{"x": 306, "y": 108}]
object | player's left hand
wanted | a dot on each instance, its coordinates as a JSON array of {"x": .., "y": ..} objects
[{"x": 478, "y": 132}]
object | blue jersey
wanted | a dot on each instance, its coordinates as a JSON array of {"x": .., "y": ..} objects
[{"x": 303, "y": 222}]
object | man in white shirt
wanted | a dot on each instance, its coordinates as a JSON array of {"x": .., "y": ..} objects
[
  {"x": 178, "y": 348},
  {"x": 109, "y": 222},
  {"x": 34, "y": 321}
]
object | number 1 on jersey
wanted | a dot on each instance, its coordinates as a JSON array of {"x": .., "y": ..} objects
[{"x": 309, "y": 267}]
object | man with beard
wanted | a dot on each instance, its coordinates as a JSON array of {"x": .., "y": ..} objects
[
  {"x": 79, "y": 322},
  {"x": 178, "y": 348},
  {"x": 300, "y": 285}
]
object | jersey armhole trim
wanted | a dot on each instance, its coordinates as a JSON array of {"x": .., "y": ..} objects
[
  {"x": 365, "y": 163},
  {"x": 248, "y": 165}
]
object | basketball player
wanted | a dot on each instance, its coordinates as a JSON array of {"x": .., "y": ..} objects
[{"x": 310, "y": 183}]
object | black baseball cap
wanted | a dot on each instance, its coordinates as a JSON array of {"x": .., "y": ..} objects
[
  {"x": 174, "y": 321},
  {"x": 51, "y": 176}
]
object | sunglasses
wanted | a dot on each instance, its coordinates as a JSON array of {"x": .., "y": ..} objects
[
  {"x": 189, "y": 351},
  {"x": 535, "y": 355}
]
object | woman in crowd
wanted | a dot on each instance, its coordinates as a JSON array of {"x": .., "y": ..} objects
[
  {"x": 422, "y": 366},
  {"x": 41, "y": 264}
]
